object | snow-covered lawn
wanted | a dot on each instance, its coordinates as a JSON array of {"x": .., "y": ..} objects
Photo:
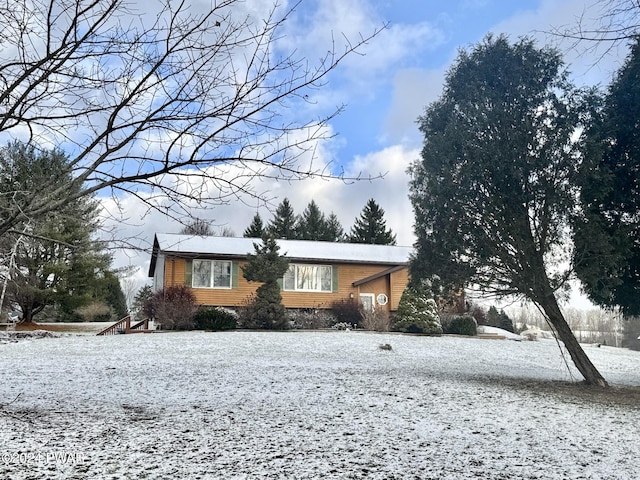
[{"x": 297, "y": 405}]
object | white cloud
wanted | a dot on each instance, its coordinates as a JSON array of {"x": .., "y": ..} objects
[
  {"x": 587, "y": 61},
  {"x": 132, "y": 221},
  {"x": 413, "y": 90}
]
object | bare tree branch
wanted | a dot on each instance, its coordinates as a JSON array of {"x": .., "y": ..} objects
[{"x": 172, "y": 107}]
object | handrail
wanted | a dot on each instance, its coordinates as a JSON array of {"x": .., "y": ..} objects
[
  {"x": 121, "y": 326},
  {"x": 141, "y": 325}
]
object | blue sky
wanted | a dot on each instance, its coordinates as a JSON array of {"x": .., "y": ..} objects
[{"x": 384, "y": 91}]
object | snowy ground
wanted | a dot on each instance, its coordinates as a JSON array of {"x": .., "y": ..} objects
[{"x": 311, "y": 405}]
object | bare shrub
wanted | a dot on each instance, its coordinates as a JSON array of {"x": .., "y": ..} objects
[
  {"x": 348, "y": 311},
  {"x": 95, "y": 312},
  {"x": 311, "y": 318},
  {"x": 376, "y": 320}
]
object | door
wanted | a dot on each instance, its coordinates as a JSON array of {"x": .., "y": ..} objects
[{"x": 367, "y": 301}]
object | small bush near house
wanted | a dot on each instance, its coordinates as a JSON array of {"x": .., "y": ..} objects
[
  {"x": 311, "y": 318},
  {"x": 461, "y": 325},
  {"x": 347, "y": 311},
  {"x": 173, "y": 308},
  {"x": 215, "y": 319},
  {"x": 417, "y": 314},
  {"x": 376, "y": 320}
]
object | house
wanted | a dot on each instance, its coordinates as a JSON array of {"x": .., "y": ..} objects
[{"x": 319, "y": 272}]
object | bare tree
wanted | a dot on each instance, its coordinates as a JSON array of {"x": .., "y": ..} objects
[
  {"x": 175, "y": 107},
  {"x": 603, "y": 25}
]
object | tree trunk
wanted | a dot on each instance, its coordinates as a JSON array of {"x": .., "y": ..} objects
[{"x": 590, "y": 373}]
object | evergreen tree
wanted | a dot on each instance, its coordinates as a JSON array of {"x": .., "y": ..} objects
[
  {"x": 417, "y": 312},
  {"x": 493, "y": 317},
  {"x": 607, "y": 236},
  {"x": 504, "y": 322},
  {"x": 266, "y": 266},
  {"x": 312, "y": 225},
  {"x": 371, "y": 227},
  {"x": 334, "y": 230},
  {"x": 256, "y": 229},
  {"x": 495, "y": 187},
  {"x": 55, "y": 258},
  {"x": 140, "y": 300},
  {"x": 110, "y": 291},
  {"x": 283, "y": 224}
]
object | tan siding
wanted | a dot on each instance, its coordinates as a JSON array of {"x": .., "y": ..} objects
[
  {"x": 347, "y": 274},
  {"x": 174, "y": 271},
  {"x": 399, "y": 282}
]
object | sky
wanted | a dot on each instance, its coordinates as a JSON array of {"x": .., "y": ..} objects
[{"x": 384, "y": 90}]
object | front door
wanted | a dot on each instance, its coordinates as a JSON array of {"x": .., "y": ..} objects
[{"x": 367, "y": 300}]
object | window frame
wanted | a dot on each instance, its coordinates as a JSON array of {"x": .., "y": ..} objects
[
  {"x": 295, "y": 266},
  {"x": 212, "y": 274}
]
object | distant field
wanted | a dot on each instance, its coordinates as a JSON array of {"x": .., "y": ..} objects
[
  {"x": 312, "y": 405},
  {"x": 76, "y": 327}
]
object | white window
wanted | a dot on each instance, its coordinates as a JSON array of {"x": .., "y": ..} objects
[
  {"x": 211, "y": 274},
  {"x": 308, "y": 278}
]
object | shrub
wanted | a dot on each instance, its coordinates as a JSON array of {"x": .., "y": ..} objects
[
  {"x": 311, "y": 318},
  {"x": 417, "y": 314},
  {"x": 173, "y": 308},
  {"x": 264, "y": 310},
  {"x": 376, "y": 320},
  {"x": 213, "y": 318},
  {"x": 631, "y": 332},
  {"x": 95, "y": 312},
  {"x": 462, "y": 325},
  {"x": 347, "y": 311}
]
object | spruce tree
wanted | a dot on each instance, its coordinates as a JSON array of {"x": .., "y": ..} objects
[
  {"x": 266, "y": 266},
  {"x": 371, "y": 227},
  {"x": 334, "y": 230},
  {"x": 256, "y": 229},
  {"x": 312, "y": 224},
  {"x": 283, "y": 224}
]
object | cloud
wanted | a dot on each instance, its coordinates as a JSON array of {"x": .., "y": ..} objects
[
  {"x": 590, "y": 63},
  {"x": 413, "y": 90},
  {"x": 129, "y": 219}
]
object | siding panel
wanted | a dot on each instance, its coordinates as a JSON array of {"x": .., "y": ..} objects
[{"x": 391, "y": 285}]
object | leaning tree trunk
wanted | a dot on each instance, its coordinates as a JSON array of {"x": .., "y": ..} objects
[{"x": 591, "y": 375}]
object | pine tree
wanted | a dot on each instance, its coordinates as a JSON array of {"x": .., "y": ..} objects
[
  {"x": 334, "y": 230},
  {"x": 55, "y": 257},
  {"x": 284, "y": 222},
  {"x": 312, "y": 225},
  {"x": 256, "y": 229},
  {"x": 371, "y": 227},
  {"x": 266, "y": 266}
]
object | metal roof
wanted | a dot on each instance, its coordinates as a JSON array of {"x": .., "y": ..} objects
[{"x": 300, "y": 250}]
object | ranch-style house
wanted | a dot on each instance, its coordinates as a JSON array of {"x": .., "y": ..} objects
[{"x": 319, "y": 272}]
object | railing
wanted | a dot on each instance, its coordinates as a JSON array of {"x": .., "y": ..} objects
[
  {"x": 142, "y": 325},
  {"x": 124, "y": 326},
  {"x": 121, "y": 326}
]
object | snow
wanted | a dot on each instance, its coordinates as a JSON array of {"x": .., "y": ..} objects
[
  {"x": 293, "y": 249},
  {"x": 311, "y": 405},
  {"x": 486, "y": 329}
]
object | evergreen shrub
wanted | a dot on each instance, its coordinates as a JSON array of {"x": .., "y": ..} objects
[
  {"x": 215, "y": 319},
  {"x": 417, "y": 314},
  {"x": 462, "y": 325}
]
